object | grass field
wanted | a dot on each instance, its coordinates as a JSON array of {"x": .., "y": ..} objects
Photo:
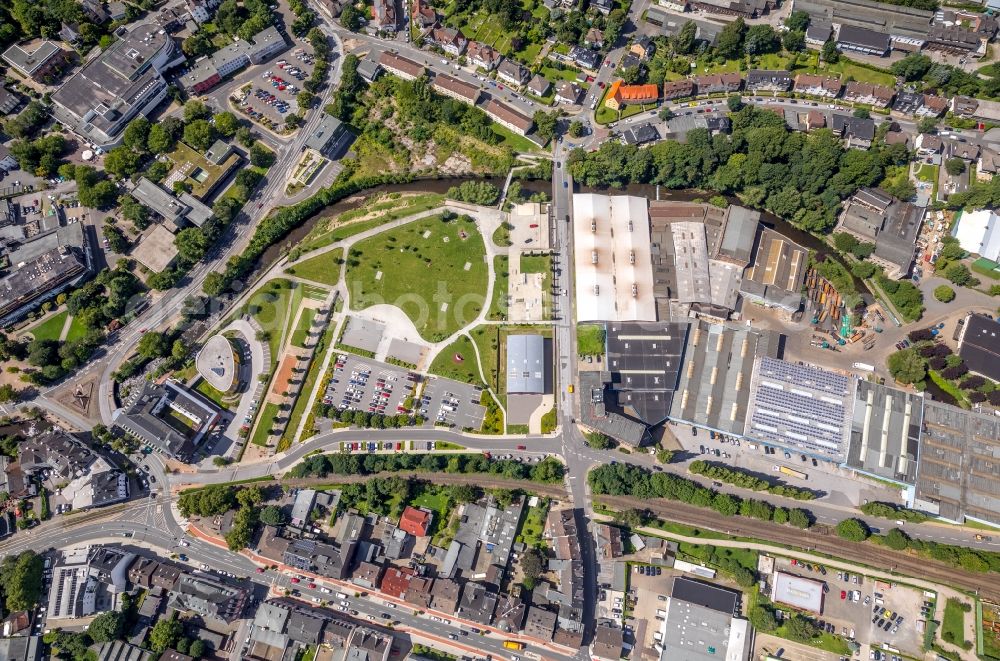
[
  {"x": 589, "y": 339},
  {"x": 264, "y": 423},
  {"x": 301, "y": 330},
  {"x": 845, "y": 68},
  {"x": 706, "y": 65},
  {"x": 772, "y": 61},
  {"x": 529, "y": 53},
  {"x": 536, "y": 264},
  {"x": 606, "y": 115},
  {"x": 382, "y": 209},
  {"x": 51, "y": 328},
  {"x": 824, "y": 641},
  {"x": 487, "y": 339},
  {"x": 483, "y": 27},
  {"x": 498, "y": 306},
  {"x": 501, "y": 236},
  {"x": 272, "y": 307},
  {"x": 437, "y": 500},
  {"x": 435, "y": 271},
  {"x": 555, "y": 74},
  {"x": 324, "y": 268},
  {"x": 953, "y": 623},
  {"x": 516, "y": 142},
  {"x": 534, "y": 525},
  {"x": 927, "y": 172},
  {"x": 76, "y": 330},
  {"x": 549, "y": 421},
  {"x": 466, "y": 371}
]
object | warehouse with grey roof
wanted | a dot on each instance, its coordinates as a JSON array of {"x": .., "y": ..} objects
[
  {"x": 885, "y": 432},
  {"x": 525, "y": 364},
  {"x": 714, "y": 386},
  {"x": 957, "y": 467}
]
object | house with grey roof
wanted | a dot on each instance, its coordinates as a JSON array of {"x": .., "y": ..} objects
[
  {"x": 330, "y": 136},
  {"x": 37, "y": 59}
]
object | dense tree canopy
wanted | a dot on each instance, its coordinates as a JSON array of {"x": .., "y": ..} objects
[
  {"x": 801, "y": 177},
  {"x": 21, "y": 580},
  {"x": 624, "y": 479},
  {"x": 907, "y": 366},
  {"x": 106, "y": 627},
  {"x": 322, "y": 465},
  {"x": 165, "y": 633},
  {"x": 853, "y": 530}
]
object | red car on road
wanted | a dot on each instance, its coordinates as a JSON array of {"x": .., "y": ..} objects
[
  {"x": 295, "y": 580},
  {"x": 522, "y": 447},
  {"x": 312, "y": 586},
  {"x": 843, "y": 594}
]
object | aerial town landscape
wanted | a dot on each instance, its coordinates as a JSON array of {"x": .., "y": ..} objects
[{"x": 500, "y": 330}]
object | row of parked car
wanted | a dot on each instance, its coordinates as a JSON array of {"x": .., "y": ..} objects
[
  {"x": 371, "y": 446},
  {"x": 271, "y": 100},
  {"x": 886, "y": 620},
  {"x": 291, "y": 70}
]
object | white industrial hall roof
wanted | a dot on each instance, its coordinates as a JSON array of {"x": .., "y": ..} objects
[{"x": 614, "y": 269}]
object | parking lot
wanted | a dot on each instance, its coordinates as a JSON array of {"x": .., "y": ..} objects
[
  {"x": 365, "y": 385},
  {"x": 271, "y": 97},
  {"x": 839, "y": 485},
  {"x": 868, "y": 611},
  {"x": 361, "y": 384},
  {"x": 649, "y": 594},
  {"x": 450, "y": 402}
]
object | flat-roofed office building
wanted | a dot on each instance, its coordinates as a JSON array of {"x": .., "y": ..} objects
[{"x": 700, "y": 624}]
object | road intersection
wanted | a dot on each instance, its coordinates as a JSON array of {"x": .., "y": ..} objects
[{"x": 153, "y": 521}]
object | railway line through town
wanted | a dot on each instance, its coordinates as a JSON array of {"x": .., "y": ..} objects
[{"x": 820, "y": 540}]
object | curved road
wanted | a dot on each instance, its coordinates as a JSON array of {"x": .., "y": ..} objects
[{"x": 154, "y": 522}]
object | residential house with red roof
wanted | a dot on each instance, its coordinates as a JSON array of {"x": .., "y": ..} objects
[
  {"x": 396, "y": 581},
  {"x": 627, "y": 95},
  {"x": 415, "y": 521}
]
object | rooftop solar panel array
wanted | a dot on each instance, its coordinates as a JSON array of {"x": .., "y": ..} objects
[{"x": 799, "y": 406}]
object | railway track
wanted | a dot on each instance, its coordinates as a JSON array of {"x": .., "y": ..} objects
[{"x": 819, "y": 539}]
